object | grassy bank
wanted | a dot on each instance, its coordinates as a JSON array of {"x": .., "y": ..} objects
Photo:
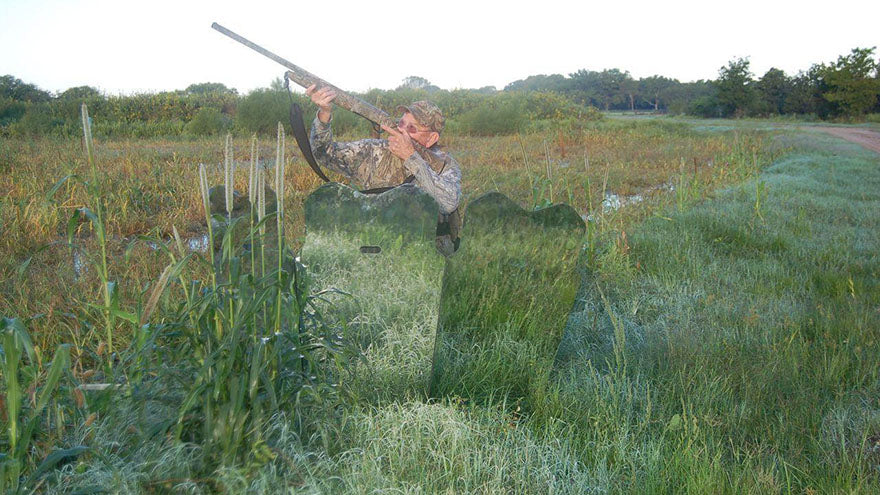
[{"x": 748, "y": 360}]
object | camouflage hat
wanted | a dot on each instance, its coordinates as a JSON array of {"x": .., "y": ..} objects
[{"x": 426, "y": 113}]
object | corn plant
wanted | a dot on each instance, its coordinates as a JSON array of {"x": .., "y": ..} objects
[
  {"x": 24, "y": 417},
  {"x": 96, "y": 217}
]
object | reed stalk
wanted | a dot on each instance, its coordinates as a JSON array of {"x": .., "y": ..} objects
[
  {"x": 279, "y": 216},
  {"x": 252, "y": 172},
  {"x": 253, "y": 185},
  {"x": 100, "y": 233},
  {"x": 181, "y": 250},
  {"x": 229, "y": 189},
  {"x": 206, "y": 204},
  {"x": 549, "y": 169},
  {"x": 229, "y": 176}
]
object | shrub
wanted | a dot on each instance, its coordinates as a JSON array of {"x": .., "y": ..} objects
[
  {"x": 38, "y": 120},
  {"x": 344, "y": 122},
  {"x": 208, "y": 122},
  {"x": 541, "y": 105},
  {"x": 261, "y": 110},
  {"x": 11, "y": 111},
  {"x": 705, "y": 106},
  {"x": 494, "y": 117}
]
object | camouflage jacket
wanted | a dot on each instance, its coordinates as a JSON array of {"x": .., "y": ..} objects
[{"x": 370, "y": 163}]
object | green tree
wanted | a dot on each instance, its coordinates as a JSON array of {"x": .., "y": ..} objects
[
  {"x": 614, "y": 86},
  {"x": 773, "y": 89},
  {"x": 15, "y": 89},
  {"x": 417, "y": 82},
  {"x": 654, "y": 89},
  {"x": 209, "y": 87},
  {"x": 680, "y": 98},
  {"x": 851, "y": 84},
  {"x": 735, "y": 92},
  {"x": 803, "y": 94},
  {"x": 629, "y": 90},
  {"x": 80, "y": 93},
  {"x": 539, "y": 82},
  {"x": 585, "y": 87}
]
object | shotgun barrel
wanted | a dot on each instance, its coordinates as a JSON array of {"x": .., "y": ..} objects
[{"x": 305, "y": 79}]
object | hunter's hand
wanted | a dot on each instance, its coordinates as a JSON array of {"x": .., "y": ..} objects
[
  {"x": 400, "y": 144},
  {"x": 322, "y": 97}
]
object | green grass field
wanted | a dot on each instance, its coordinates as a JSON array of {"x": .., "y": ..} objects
[{"x": 724, "y": 338}]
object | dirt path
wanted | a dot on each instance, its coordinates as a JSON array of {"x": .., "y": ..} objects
[{"x": 867, "y": 138}]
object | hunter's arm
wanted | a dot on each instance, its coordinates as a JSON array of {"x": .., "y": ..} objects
[
  {"x": 338, "y": 157},
  {"x": 444, "y": 187}
]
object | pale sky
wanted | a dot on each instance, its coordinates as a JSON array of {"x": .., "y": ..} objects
[{"x": 125, "y": 47}]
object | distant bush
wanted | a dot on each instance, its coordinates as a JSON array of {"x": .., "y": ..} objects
[
  {"x": 873, "y": 117},
  {"x": 508, "y": 113},
  {"x": 38, "y": 120},
  {"x": 11, "y": 111},
  {"x": 261, "y": 110},
  {"x": 115, "y": 129},
  {"x": 705, "y": 106},
  {"x": 494, "y": 117},
  {"x": 541, "y": 105},
  {"x": 208, "y": 122},
  {"x": 345, "y": 123}
]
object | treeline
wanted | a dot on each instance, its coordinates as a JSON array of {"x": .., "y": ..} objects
[
  {"x": 847, "y": 88},
  {"x": 212, "y": 108}
]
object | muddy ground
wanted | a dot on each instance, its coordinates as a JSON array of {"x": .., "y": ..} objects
[{"x": 866, "y": 137}]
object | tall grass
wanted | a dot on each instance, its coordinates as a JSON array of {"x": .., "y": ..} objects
[
  {"x": 236, "y": 351},
  {"x": 254, "y": 344},
  {"x": 724, "y": 339}
]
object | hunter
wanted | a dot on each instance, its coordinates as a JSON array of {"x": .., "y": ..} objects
[{"x": 381, "y": 163}]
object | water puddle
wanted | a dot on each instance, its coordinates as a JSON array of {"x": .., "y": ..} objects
[
  {"x": 614, "y": 202},
  {"x": 79, "y": 265},
  {"x": 198, "y": 243}
]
